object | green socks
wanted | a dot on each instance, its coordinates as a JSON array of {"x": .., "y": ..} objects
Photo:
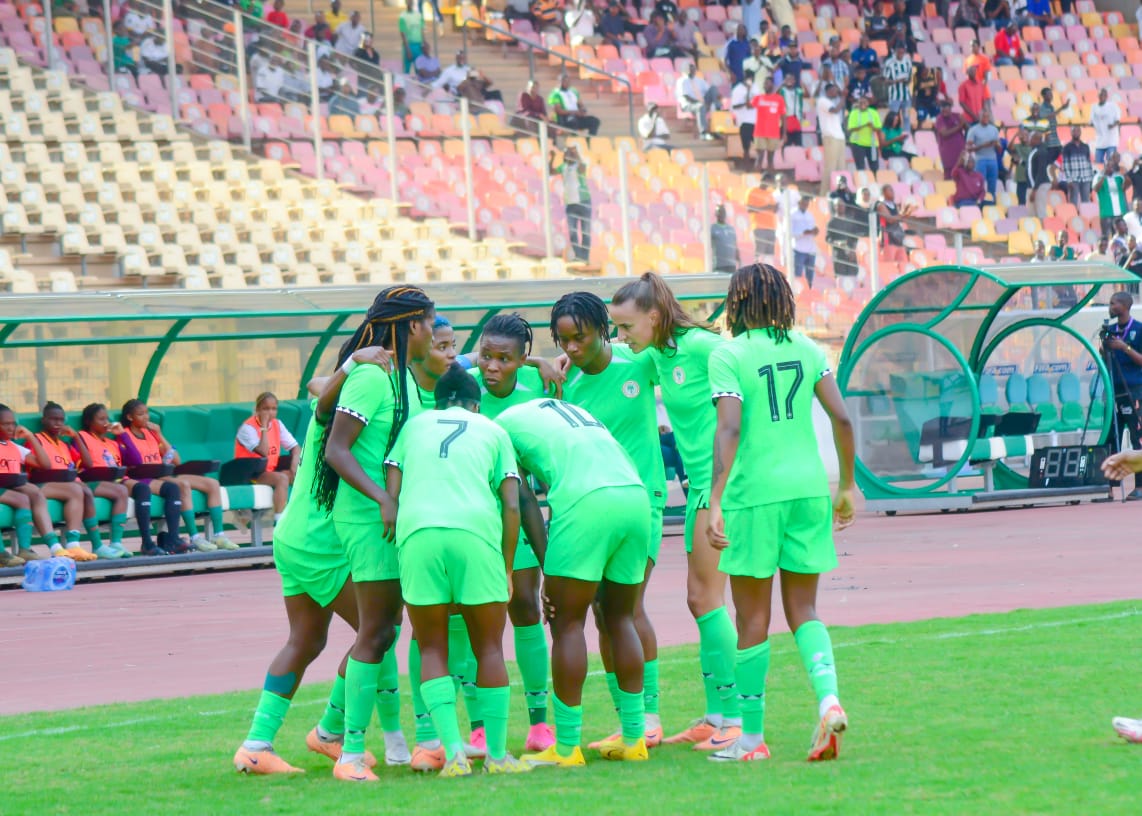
[
  {"x": 816, "y": 648},
  {"x": 22, "y": 520},
  {"x": 650, "y": 685},
  {"x": 531, "y": 654},
  {"x": 462, "y": 667},
  {"x": 216, "y": 526},
  {"x": 752, "y": 668},
  {"x": 191, "y": 525},
  {"x": 51, "y": 538},
  {"x": 493, "y": 704},
  {"x": 118, "y": 522},
  {"x": 268, "y": 717},
  {"x": 388, "y": 689},
  {"x": 333, "y": 720},
  {"x": 568, "y": 727},
  {"x": 360, "y": 697},
  {"x": 440, "y": 698},
  {"x": 425, "y": 730},
  {"x": 717, "y": 644},
  {"x": 613, "y": 688},
  {"x": 72, "y": 537},
  {"x": 632, "y": 716}
]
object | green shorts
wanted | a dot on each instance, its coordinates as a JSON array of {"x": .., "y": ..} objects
[
  {"x": 525, "y": 557},
  {"x": 370, "y": 556},
  {"x": 696, "y": 499},
  {"x": 606, "y": 534},
  {"x": 443, "y": 565},
  {"x": 795, "y": 536},
  {"x": 655, "y": 530},
  {"x": 320, "y": 575}
]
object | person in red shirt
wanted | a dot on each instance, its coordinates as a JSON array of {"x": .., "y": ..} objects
[
  {"x": 278, "y": 16},
  {"x": 971, "y": 190},
  {"x": 769, "y": 130},
  {"x": 973, "y": 94},
  {"x": 320, "y": 29},
  {"x": 1009, "y": 48}
]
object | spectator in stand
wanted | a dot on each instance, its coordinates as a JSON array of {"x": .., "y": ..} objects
[
  {"x": 928, "y": 93},
  {"x": 860, "y": 85},
  {"x": 684, "y": 33},
  {"x": 1049, "y": 112},
  {"x": 365, "y": 50},
  {"x": 1134, "y": 179},
  {"x": 531, "y": 109},
  {"x": 154, "y": 54},
  {"x": 769, "y": 129},
  {"x": 974, "y": 94},
  {"x": 614, "y": 26},
  {"x": 1119, "y": 245},
  {"x": 1133, "y": 219},
  {"x": 1040, "y": 255},
  {"x": 576, "y": 200},
  {"x": 653, "y": 129},
  {"x": 697, "y": 97},
  {"x": 901, "y": 37},
  {"x": 842, "y": 231},
  {"x": 1110, "y": 185},
  {"x": 950, "y": 128},
  {"x": 794, "y": 99},
  {"x": 320, "y": 30},
  {"x": 752, "y": 18},
  {"x": 667, "y": 9},
  {"x": 875, "y": 23},
  {"x": 427, "y": 66},
  {"x": 998, "y": 14},
  {"x": 864, "y": 55},
  {"x": 349, "y": 34},
  {"x": 791, "y": 65},
  {"x": 451, "y": 77},
  {"x": 864, "y": 128},
  {"x": 830, "y": 109},
  {"x": 477, "y": 88},
  {"x": 724, "y": 243},
  {"x": 411, "y": 26},
  {"x": 895, "y": 141},
  {"x": 137, "y": 21},
  {"x": 278, "y": 16},
  {"x": 579, "y": 19},
  {"x": 326, "y": 75},
  {"x": 546, "y": 15},
  {"x": 1019, "y": 149},
  {"x": 400, "y": 103},
  {"x": 735, "y": 54},
  {"x": 569, "y": 110},
  {"x": 803, "y": 227},
  {"x": 1133, "y": 260},
  {"x": 121, "y": 50},
  {"x": 968, "y": 15},
  {"x": 1101, "y": 251},
  {"x": 897, "y": 73},
  {"x": 659, "y": 39},
  {"x": 892, "y": 216},
  {"x": 745, "y": 116},
  {"x": 1061, "y": 250},
  {"x": 1037, "y": 12},
  {"x": 269, "y": 79},
  {"x": 1009, "y": 48},
  {"x": 978, "y": 60},
  {"x": 517, "y": 10},
  {"x": 971, "y": 189},
  {"x": 1039, "y": 163},
  {"x": 836, "y": 60},
  {"x": 1106, "y": 119},
  {"x": 983, "y": 141},
  {"x": 1077, "y": 168},
  {"x": 335, "y": 17}
]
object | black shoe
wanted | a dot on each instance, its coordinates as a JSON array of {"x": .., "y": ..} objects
[
  {"x": 153, "y": 551},
  {"x": 171, "y": 544}
]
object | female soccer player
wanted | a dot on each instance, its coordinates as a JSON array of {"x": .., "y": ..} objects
[
  {"x": 143, "y": 443},
  {"x": 370, "y": 413},
  {"x": 316, "y": 585},
  {"x": 769, "y": 503},
  {"x": 1118, "y": 466},
  {"x": 264, "y": 435},
  {"x": 505, "y": 347},
  {"x": 650, "y": 319},
  {"x": 597, "y": 546},
  {"x": 616, "y": 386},
  {"x": 64, "y": 455},
  {"x": 30, "y": 507},
  {"x": 98, "y": 448},
  {"x": 455, "y": 458}
]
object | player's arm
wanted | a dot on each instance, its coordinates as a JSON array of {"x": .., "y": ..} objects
[
  {"x": 329, "y": 388},
  {"x": 727, "y": 437},
  {"x": 343, "y": 435},
  {"x": 830, "y": 398},
  {"x": 509, "y": 493},
  {"x": 531, "y": 519},
  {"x": 84, "y": 454},
  {"x": 552, "y": 374},
  {"x": 1118, "y": 466},
  {"x": 37, "y": 457}
]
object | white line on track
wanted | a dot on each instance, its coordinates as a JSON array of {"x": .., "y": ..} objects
[{"x": 1000, "y": 630}]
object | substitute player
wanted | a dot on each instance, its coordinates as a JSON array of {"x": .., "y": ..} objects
[
  {"x": 316, "y": 585},
  {"x": 263, "y": 435},
  {"x": 650, "y": 319},
  {"x": 30, "y": 509},
  {"x": 454, "y": 458},
  {"x": 769, "y": 504},
  {"x": 597, "y": 545},
  {"x": 616, "y": 386},
  {"x": 372, "y": 409}
]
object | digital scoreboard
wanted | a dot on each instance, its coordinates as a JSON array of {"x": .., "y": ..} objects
[{"x": 1068, "y": 466}]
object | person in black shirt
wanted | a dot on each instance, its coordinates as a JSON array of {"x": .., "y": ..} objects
[
  {"x": 1123, "y": 348},
  {"x": 1134, "y": 176}
]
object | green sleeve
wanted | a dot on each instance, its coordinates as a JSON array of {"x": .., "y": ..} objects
[
  {"x": 821, "y": 362},
  {"x": 396, "y": 455},
  {"x": 506, "y": 466},
  {"x": 723, "y": 374}
]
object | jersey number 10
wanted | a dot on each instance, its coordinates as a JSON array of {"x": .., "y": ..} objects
[{"x": 766, "y": 373}]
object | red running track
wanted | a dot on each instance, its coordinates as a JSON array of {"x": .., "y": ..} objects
[{"x": 199, "y": 634}]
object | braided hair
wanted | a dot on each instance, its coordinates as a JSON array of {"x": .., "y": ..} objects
[
  {"x": 760, "y": 298},
  {"x": 387, "y": 324},
  {"x": 512, "y": 326},
  {"x": 650, "y": 292},
  {"x": 457, "y": 387},
  {"x": 586, "y": 310}
]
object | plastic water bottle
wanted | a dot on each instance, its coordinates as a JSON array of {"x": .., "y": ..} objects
[
  {"x": 168, "y": 457},
  {"x": 50, "y": 575},
  {"x": 108, "y": 459}
]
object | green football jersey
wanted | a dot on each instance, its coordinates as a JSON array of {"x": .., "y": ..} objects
[
  {"x": 303, "y": 525},
  {"x": 567, "y": 449},
  {"x": 682, "y": 374},
  {"x": 419, "y": 400},
  {"x": 528, "y": 386},
  {"x": 777, "y": 459},
  {"x": 369, "y": 396},
  {"x": 453, "y": 462},
  {"x": 621, "y": 396}
]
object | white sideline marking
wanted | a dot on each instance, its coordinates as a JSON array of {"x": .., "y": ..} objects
[{"x": 1001, "y": 630}]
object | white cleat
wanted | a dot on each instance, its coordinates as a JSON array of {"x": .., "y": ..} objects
[{"x": 1129, "y": 730}]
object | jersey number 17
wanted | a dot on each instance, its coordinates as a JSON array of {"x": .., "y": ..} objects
[{"x": 766, "y": 373}]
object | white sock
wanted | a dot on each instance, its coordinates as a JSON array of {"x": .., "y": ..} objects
[
  {"x": 653, "y": 721},
  {"x": 347, "y": 759},
  {"x": 430, "y": 745},
  {"x": 731, "y": 722},
  {"x": 714, "y": 720},
  {"x": 750, "y": 741},
  {"x": 277, "y": 517},
  {"x": 257, "y": 745},
  {"x": 394, "y": 740},
  {"x": 326, "y": 736},
  {"x": 827, "y": 703}
]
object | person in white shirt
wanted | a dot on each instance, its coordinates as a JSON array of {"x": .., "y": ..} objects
[
  {"x": 153, "y": 53},
  {"x": 268, "y": 80},
  {"x": 138, "y": 22},
  {"x": 1106, "y": 117},
  {"x": 830, "y": 110},
  {"x": 580, "y": 19},
  {"x": 451, "y": 77},
  {"x": 1133, "y": 219},
  {"x": 653, "y": 129},
  {"x": 804, "y": 229},
  {"x": 1138, "y": 18},
  {"x": 349, "y": 35},
  {"x": 745, "y": 114},
  {"x": 694, "y": 95}
]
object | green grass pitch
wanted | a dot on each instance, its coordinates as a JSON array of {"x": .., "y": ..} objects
[{"x": 1003, "y": 714}]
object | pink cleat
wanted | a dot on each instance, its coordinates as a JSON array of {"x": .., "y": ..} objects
[
  {"x": 477, "y": 747},
  {"x": 540, "y": 737}
]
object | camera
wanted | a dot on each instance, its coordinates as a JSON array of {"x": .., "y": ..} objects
[{"x": 1108, "y": 330}]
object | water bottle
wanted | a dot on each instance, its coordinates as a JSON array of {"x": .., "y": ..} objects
[
  {"x": 108, "y": 459},
  {"x": 168, "y": 457},
  {"x": 50, "y": 575}
]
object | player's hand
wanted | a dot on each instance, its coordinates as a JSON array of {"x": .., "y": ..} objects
[
  {"x": 115, "y": 428},
  {"x": 553, "y": 378},
  {"x": 511, "y": 587},
  {"x": 716, "y": 528},
  {"x": 843, "y": 509},
  {"x": 22, "y": 433},
  {"x": 563, "y": 364},
  {"x": 1116, "y": 343},
  {"x": 548, "y": 606},
  {"x": 389, "y": 517},
  {"x": 373, "y": 355},
  {"x": 151, "y": 426},
  {"x": 263, "y": 417},
  {"x": 1118, "y": 466},
  {"x": 67, "y": 430}
]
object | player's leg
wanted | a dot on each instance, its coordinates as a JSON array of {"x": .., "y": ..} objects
[
  {"x": 608, "y": 665},
  {"x": 141, "y": 495},
  {"x": 278, "y": 481},
  {"x": 116, "y": 493},
  {"x": 70, "y": 494},
  {"x": 485, "y": 624},
  {"x": 213, "y": 492},
  {"x": 388, "y": 705},
  {"x": 431, "y": 626},
  {"x": 463, "y": 667},
  {"x": 619, "y": 601},
  {"x": 173, "y": 492},
  {"x": 22, "y": 522},
  {"x": 41, "y": 518},
  {"x": 90, "y": 522},
  {"x": 530, "y": 646}
]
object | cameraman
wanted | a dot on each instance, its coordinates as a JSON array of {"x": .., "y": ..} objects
[{"x": 1122, "y": 346}]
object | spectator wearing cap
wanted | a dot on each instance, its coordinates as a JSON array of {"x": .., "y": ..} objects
[
  {"x": 978, "y": 60},
  {"x": 864, "y": 56},
  {"x": 1077, "y": 168},
  {"x": 830, "y": 110},
  {"x": 974, "y": 94},
  {"x": 569, "y": 110},
  {"x": 769, "y": 127},
  {"x": 971, "y": 189},
  {"x": 1009, "y": 48},
  {"x": 864, "y": 128},
  {"x": 950, "y": 128},
  {"x": 696, "y": 96},
  {"x": 735, "y": 53},
  {"x": 653, "y": 129},
  {"x": 1106, "y": 119}
]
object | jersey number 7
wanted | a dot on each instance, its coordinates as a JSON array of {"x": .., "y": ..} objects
[
  {"x": 766, "y": 373},
  {"x": 461, "y": 426}
]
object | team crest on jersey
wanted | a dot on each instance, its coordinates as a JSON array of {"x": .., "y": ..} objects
[
  {"x": 679, "y": 375},
  {"x": 630, "y": 389}
]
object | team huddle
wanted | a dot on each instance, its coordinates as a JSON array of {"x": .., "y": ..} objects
[{"x": 417, "y": 491}]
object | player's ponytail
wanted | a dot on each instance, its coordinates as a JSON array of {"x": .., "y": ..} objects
[
  {"x": 760, "y": 297},
  {"x": 650, "y": 293},
  {"x": 457, "y": 387}
]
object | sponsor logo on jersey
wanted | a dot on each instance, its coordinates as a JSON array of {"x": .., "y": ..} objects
[
  {"x": 630, "y": 389},
  {"x": 679, "y": 375}
]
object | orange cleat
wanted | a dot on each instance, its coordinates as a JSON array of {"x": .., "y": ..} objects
[
  {"x": 332, "y": 749},
  {"x": 654, "y": 737},
  {"x": 262, "y": 763},
  {"x": 427, "y": 759},
  {"x": 356, "y": 771},
  {"x": 698, "y": 731},
  {"x": 827, "y": 738},
  {"x": 77, "y": 553},
  {"x": 724, "y": 737}
]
